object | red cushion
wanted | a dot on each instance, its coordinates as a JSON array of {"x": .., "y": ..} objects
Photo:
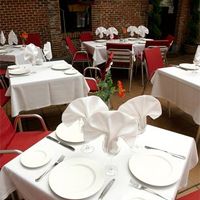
[
  {"x": 80, "y": 57},
  {"x": 2, "y": 71},
  {"x": 192, "y": 196},
  {"x": 3, "y": 99},
  {"x": 22, "y": 141},
  {"x": 92, "y": 84}
]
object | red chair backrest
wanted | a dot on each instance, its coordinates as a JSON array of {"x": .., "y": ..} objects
[
  {"x": 170, "y": 38},
  {"x": 192, "y": 196},
  {"x": 153, "y": 59},
  {"x": 86, "y": 36},
  {"x": 34, "y": 38},
  {"x": 6, "y": 130},
  {"x": 118, "y": 46},
  {"x": 157, "y": 43},
  {"x": 69, "y": 43}
]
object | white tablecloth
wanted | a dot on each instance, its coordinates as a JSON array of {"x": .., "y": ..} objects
[
  {"x": 98, "y": 49},
  {"x": 14, "y": 175},
  {"x": 13, "y": 54},
  {"x": 44, "y": 87},
  {"x": 180, "y": 87}
]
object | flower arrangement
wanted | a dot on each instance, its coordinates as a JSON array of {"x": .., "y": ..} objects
[
  {"x": 107, "y": 88},
  {"x": 24, "y": 37}
]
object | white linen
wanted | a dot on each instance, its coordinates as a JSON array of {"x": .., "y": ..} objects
[
  {"x": 132, "y": 30},
  {"x": 197, "y": 56},
  {"x": 83, "y": 108},
  {"x": 45, "y": 87},
  {"x": 180, "y": 87},
  {"x": 31, "y": 53},
  {"x": 113, "y": 124},
  {"x": 23, "y": 178},
  {"x": 2, "y": 38},
  {"x": 12, "y": 38},
  {"x": 140, "y": 107},
  {"x": 47, "y": 50},
  {"x": 111, "y": 31},
  {"x": 100, "y": 31},
  {"x": 142, "y": 30}
]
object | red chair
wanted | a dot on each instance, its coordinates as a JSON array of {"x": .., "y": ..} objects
[
  {"x": 86, "y": 36},
  {"x": 34, "y": 38},
  {"x": 14, "y": 142},
  {"x": 3, "y": 99},
  {"x": 77, "y": 56},
  {"x": 3, "y": 78},
  {"x": 122, "y": 58},
  {"x": 170, "y": 38},
  {"x": 154, "y": 61},
  {"x": 192, "y": 196}
]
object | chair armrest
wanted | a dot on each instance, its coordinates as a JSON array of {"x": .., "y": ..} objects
[
  {"x": 23, "y": 116},
  {"x": 10, "y": 151}
]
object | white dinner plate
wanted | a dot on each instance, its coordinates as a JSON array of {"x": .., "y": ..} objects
[
  {"x": 19, "y": 71},
  {"x": 154, "y": 168},
  {"x": 100, "y": 41},
  {"x": 70, "y": 133},
  {"x": 2, "y": 51},
  {"x": 13, "y": 67},
  {"x": 17, "y": 46},
  {"x": 76, "y": 178},
  {"x": 189, "y": 66},
  {"x": 100, "y": 45},
  {"x": 34, "y": 158},
  {"x": 70, "y": 71},
  {"x": 61, "y": 66}
]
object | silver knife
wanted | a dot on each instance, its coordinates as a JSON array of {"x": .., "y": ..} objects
[
  {"x": 61, "y": 143},
  {"x": 105, "y": 190}
]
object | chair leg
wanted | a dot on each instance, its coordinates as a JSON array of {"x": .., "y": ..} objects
[{"x": 198, "y": 135}]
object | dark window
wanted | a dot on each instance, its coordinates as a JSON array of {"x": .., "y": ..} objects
[{"x": 75, "y": 15}]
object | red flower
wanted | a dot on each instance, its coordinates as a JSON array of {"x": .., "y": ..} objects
[
  {"x": 121, "y": 90},
  {"x": 24, "y": 36}
]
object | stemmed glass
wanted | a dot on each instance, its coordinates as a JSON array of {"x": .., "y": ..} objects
[
  {"x": 87, "y": 148},
  {"x": 111, "y": 149}
]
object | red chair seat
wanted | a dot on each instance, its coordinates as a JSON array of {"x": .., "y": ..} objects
[
  {"x": 92, "y": 83},
  {"x": 192, "y": 196},
  {"x": 17, "y": 142},
  {"x": 3, "y": 99},
  {"x": 80, "y": 57}
]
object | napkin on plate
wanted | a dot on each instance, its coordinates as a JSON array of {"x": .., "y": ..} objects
[
  {"x": 82, "y": 108},
  {"x": 2, "y": 38},
  {"x": 113, "y": 124},
  {"x": 140, "y": 107},
  {"x": 47, "y": 50},
  {"x": 196, "y": 60},
  {"x": 31, "y": 53},
  {"x": 100, "y": 31},
  {"x": 142, "y": 30},
  {"x": 12, "y": 38},
  {"x": 132, "y": 30},
  {"x": 111, "y": 32}
]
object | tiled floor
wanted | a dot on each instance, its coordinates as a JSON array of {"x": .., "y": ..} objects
[{"x": 178, "y": 122}]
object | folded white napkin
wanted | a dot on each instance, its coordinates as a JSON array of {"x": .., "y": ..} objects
[
  {"x": 82, "y": 108},
  {"x": 12, "y": 38},
  {"x": 140, "y": 107},
  {"x": 196, "y": 60},
  {"x": 111, "y": 32},
  {"x": 47, "y": 50},
  {"x": 142, "y": 30},
  {"x": 113, "y": 124},
  {"x": 100, "y": 31},
  {"x": 2, "y": 38},
  {"x": 132, "y": 30},
  {"x": 31, "y": 53}
]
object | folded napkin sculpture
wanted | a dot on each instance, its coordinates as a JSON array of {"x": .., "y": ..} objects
[
  {"x": 100, "y": 31},
  {"x": 140, "y": 107},
  {"x": 142, "y": 30},
  {"x": 111, "y": 32},
  {"x": 31, "y": 53},
  {"x": 132, "y": 30},
  {"x": 196, "y": 60},
  {"x": 113, "y": 124},
  {"x": 47, "y": 50},
  {"x": 12, "y": 38},
  {"x": 2, "y": 38}
]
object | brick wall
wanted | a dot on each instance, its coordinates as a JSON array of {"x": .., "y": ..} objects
[{"x": 43, "y": 16}]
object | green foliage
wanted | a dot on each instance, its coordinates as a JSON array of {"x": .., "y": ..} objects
[
  {"x": 106, "y": 88},
  {"x": 155, "y": 20}
]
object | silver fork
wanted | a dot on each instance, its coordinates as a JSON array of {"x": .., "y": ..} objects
[
  {"x": 142, "y": 187},
  {"x": 60, "y": 159}
]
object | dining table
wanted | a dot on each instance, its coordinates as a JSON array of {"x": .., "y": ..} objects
[
  {"x": 180, "y": 85},
  {"x": 13, "y": 53},
  {"x": 97, "y": 48},
  {"x": 82, "y": 173},
  {"x": 37, "y": 86}
]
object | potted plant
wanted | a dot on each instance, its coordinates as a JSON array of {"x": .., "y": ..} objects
[{"x": 193, "y": 29}]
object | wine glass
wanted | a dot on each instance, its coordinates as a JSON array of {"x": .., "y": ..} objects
[
  {"x": 111, "y": 149},
  {"x": 87, "y": 148}
]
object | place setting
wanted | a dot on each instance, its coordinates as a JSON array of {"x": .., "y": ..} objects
[{"x": 188, "y": 66}]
